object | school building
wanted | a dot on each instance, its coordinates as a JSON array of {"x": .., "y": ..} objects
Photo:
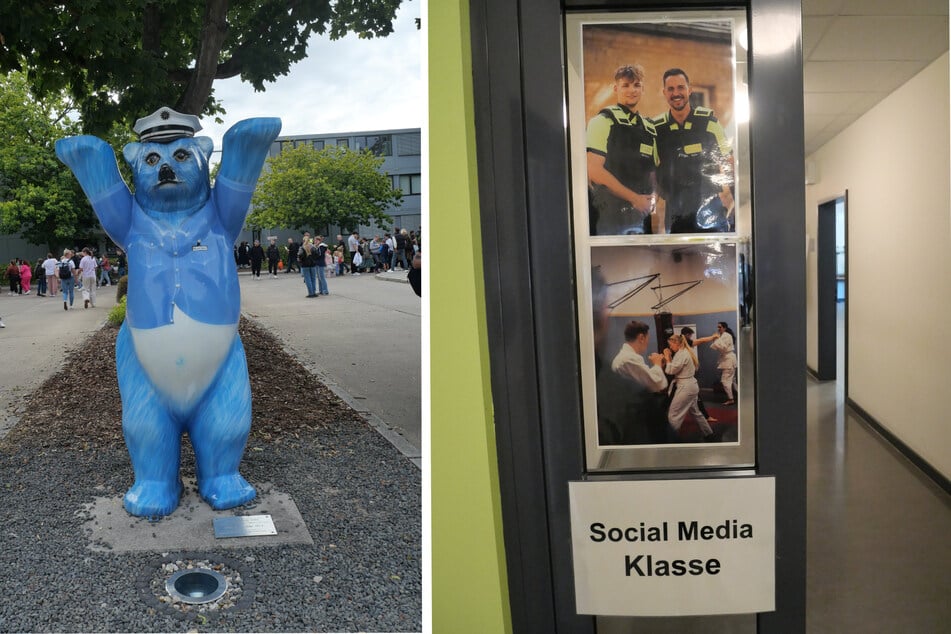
[{"x": 400, "y": 150}]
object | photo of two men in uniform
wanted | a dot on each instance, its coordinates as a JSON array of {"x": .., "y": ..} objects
[{"x": 654, "y": 171}]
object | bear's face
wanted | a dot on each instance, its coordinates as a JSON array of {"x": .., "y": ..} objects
[{"x": 170, "y": 177}]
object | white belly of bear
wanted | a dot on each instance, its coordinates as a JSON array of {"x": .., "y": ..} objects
[{"x": 182, "y": 358}]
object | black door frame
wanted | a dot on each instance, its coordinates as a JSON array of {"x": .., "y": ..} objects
[{"x": 827, "y": 291}]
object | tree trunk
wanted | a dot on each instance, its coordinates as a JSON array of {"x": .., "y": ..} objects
[{"x": 213, "y": 31}]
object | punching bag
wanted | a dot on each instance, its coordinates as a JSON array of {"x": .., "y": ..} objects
[{"x": 664, "y": 327}]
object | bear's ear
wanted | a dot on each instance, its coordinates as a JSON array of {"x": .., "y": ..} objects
[
  {"x": 206, "y": 145},
  {"x": 131, "y": 152}
]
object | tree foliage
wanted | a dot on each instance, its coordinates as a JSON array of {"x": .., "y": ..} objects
[
  {"x": 304, "y": 188},
  {"x": 121, "y": 59},
  {"x": 38, "y": 195}
]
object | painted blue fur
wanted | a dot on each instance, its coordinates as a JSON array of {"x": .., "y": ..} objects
[{"x": 178, "y": 233}]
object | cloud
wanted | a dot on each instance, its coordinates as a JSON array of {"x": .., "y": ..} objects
[{"x": 348, "y": 85}]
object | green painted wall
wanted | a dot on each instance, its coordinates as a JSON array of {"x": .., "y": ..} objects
[{"x": 469, "y": 591}]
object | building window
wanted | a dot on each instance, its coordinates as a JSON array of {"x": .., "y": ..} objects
[
  {"x": 381, "y": 145},
  {"x": 408, "y": 144},
  {"x": 410, "y": 184},
  {"x": 343, "y": 143},
  {"x": 318, "y": 144}
]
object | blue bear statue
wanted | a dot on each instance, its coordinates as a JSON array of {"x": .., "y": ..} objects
[{"x": 180, "y": 361}]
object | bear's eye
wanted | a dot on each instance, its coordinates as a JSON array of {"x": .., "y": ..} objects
[
  {"x": 153, "y": 158},
  {"x": 182, "y": 155}
]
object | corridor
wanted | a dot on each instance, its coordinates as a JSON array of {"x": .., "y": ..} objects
[{"x": 878, "y": 530}]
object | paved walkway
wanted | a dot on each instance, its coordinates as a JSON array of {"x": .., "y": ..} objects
[
  {"x": 363, "y": 340},
  {"x": 38, "y": 336}
]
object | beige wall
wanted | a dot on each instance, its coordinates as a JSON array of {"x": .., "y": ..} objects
[{"x": 894, "y": 162}]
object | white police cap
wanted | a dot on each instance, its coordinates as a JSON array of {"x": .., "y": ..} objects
[{"x": 165, "y": 125}]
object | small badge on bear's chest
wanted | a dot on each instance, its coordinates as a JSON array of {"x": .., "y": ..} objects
[{"x": 199, "y": 246}]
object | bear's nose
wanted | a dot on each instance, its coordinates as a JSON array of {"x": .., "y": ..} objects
[{"x": 166, "y": 174}]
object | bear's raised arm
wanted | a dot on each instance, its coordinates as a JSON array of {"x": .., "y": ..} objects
[
  {"x": 245, "y": 147},
  {"x": 93, "y": 162}
]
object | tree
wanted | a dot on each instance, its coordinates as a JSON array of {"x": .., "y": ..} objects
[
  {"x": 304, "y": 188},
  {"x": 121, "y": 59},
  {"x": 38, "y": 195}
]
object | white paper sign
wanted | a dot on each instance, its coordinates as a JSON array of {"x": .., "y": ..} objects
[{"x": 674, "y": 547}]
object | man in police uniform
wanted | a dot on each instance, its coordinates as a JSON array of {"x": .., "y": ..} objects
[
  {"x": 695, "y": 167},
  {"x": 621, "y": 159}
]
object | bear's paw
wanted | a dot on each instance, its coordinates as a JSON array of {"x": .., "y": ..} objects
[
  {"x": 226, "y": 491},
  {"x": 153, "y": 498}
]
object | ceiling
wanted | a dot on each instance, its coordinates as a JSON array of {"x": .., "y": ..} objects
[{"x": 855, "y": 52}]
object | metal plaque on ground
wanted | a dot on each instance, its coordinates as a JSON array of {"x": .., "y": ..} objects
[{"x": 244, "y": 526}]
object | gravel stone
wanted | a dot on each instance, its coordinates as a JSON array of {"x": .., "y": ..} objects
[{"x": 359, "y": 497}]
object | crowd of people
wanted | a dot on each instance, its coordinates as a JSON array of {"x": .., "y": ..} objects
[
  {"x": 389, "y": 252},
  {"x": 82, "y": 271},
  {"x": 316, "y": 260},
  {"x": 352, "y": 255},
  {"x": 75, "y": 271}
]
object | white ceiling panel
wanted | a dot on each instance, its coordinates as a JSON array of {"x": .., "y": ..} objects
[
  {"x": 828, "y": 103},
  {"x": 890, "y": 7},
  {"x": 812, "y": 30},
  {"x": 897, "y": 38},
  {"x": 818, "y": 123},
  {"x": 864, "y": 102},
  {"x": 833, "y": 103},
  {"x": 815, "y": 142},
  {"x": 858, "y": 76},
  {"x": 856, "y": 52},
  {"x": 821, "y": 7}
]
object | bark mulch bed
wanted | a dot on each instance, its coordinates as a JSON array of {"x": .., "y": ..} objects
[{"x": 78, "y": 408}]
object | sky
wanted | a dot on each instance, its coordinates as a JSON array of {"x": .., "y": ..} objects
[{"x": 347, "y": 85}]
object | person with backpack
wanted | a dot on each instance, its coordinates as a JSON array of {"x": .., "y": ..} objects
[
  {"x": 64, "y": 271},
  {"x": 40, "y": 274}
]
